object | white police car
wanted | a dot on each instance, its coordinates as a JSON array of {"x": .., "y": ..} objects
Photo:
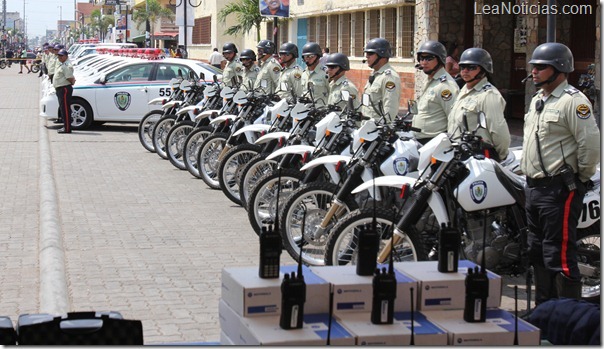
[{"x": 122, "y": 94}]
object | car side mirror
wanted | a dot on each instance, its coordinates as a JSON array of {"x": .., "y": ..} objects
[{"x": 103, "y": 79}]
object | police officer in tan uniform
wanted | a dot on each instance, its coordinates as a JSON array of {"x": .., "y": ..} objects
[
  {"x": 53, "y": 62},
  {"x": 233, "y": 67},
  {"x": 337, "y": 65},
  {"x": 384, "y": 83},
  {"x": 561, "y": 150},
  {"x": 291, "y": 72},
  {"x": 479, "y": 95},
  {"x": 270, "y": 69},
  {"x": 438, "y": 95},
  {"x": 315, "y": 73},
  {"x": 62, "y": 82},
  {"x": 250, "y": 70}
]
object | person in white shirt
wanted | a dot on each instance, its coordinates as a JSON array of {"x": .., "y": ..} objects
[{"x": 216, "y": 58}]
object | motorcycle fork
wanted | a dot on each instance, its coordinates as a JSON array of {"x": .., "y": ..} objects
[{"x": 337, "y": 204}]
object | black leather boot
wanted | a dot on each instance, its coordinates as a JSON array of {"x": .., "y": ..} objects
[{"x": 567, "y": 287}]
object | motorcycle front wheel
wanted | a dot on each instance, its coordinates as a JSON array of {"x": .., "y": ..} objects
[
  {"x": 175, "y": 142},
  {"x": 588, "y": 257},
  {"x": 145, "y": 129},
  {"x": 160, "y": 135},
  {"x": 342, "y": 246},
  {"x": 192, "y": 146},
  {"x": 257, "y": 167},
  {"x": 207, "y": 158},
  {"x": 230, "y": 169}
]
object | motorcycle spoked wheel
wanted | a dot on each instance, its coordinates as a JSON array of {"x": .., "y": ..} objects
[
  {"x": 262, "y": 202},
  {"x": 145, "y": 129},
  {"x": 230, "y": 169},
  {"x": 317, "y": 199},
  {"x": 207, "y": 158},
  {"x": 35, "y": 68},
  {"x": 175, "y": 142},
  {"x": 588, "y": 257},
  {"x": 251, "y": 173},
  {"x": 192, "y": 146},
  {"x": 160, "y": 135},
  {"x": 3, "y": 64},
  {"x": 342, "y": 245}
]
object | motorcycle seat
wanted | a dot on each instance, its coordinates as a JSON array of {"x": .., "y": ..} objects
[{"x": 513, "y": 183}]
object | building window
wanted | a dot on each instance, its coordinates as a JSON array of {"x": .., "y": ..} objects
[
  {"x": 333, "y": 33},
  {"x": 322, "y": 31},
  {"x": 282, "y": 35},
  {"x": 373, "y": 24},
  {"x": 390, "y": 28},
  {"x": 345, "y": 33},
  {"x": 202, "y": 31},
  {"x": 407, "y": 19},
  {"x": 359, "y": 34}
]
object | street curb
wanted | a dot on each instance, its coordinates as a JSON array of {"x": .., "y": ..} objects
[{"x": 54, "y": 298}]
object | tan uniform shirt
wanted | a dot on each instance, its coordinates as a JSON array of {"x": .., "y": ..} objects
[
  {"x": 386, "y": 87},
  {"x": 231, "y": 70},
  {"x": 292, "y": 75},
  {"x": 335, "y": 92},
  {"x": 320, "y": 83},
  {"x": 53, "y": 61},
  {"x": 485, "y": 98},
  {"x": 249, "y": 76},
  {"x": 269, "y": 71},
  {"x": 567, "y": 130},
  {"x": 63, "y": 72},
  {"x": 435, "y": 104}
]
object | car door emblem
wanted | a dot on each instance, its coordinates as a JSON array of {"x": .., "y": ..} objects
[{"x": 122, "y": 100}]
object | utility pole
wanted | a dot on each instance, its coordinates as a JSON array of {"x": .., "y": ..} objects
[{"x": 147, "y": 26}]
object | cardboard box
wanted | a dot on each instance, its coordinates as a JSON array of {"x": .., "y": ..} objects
[
  {"x": 497, "y": 330},
  {"x": 354, "y": 293},
  {"x": 399, "y": 333},
  {"x": 265, "y": 330},
  {"x": 442, "y": 291},
  {"x": 249, "y": 295}
]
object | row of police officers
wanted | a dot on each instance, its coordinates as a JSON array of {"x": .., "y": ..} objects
[{"x": 561, "y": 146}]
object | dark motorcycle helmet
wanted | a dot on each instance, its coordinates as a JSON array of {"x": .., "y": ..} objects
[
  {"x": 248, "y": 54},
  {"x": 267, "y": 46},
  {"x": 229, "y": 47},
  {"x": 380, "y": 46},
  {"x": 312, "y": 48},
  {"x": 289, "y": 48},
  {"x": 478, "y": 57},
  {"x": 338, "y": 60},
  {"x": 434, "y": 48},
  {"x": 555, "y": 54}
]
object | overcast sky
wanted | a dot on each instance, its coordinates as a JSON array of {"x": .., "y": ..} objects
[{"x": 41, "y": 14}]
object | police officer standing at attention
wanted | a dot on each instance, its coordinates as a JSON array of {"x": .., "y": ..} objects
[
  {"x": 337, "y": 65},
  {"x": 233, "y": 67},
  {"x": 438, "y": 94},
  {"x": 52, "y": 65},
  {"x": 62, "y": 82},
  {"x": 384, "y": 83},
  {"x": 270, "y": 69},
  {"x": 479, "y": 95},
  {"x": 561, "y": 149},
  {"x": 291, "y": 72},
  {"x": 250, "y": 70},
  {"x": 315, "y": 73}
]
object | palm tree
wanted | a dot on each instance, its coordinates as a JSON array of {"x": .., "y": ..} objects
[
  {"x": 248, "y": 17},
  {"x": 100, "y": 22},
  {"x": 153, "y": 12}
]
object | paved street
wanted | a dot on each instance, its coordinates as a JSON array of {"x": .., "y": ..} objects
[{"x": 92, "y": 221}]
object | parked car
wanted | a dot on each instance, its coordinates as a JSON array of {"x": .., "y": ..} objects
[{"x": 122, "y": 94}]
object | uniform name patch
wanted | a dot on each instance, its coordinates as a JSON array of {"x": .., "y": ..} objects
[
  {"x": 390, "y": 85},
  {"x": 583, "y": 111},
  {"x": 446, "y": 95}
]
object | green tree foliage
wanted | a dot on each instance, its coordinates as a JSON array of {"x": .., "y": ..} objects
[{"x": 153, "y": 12}]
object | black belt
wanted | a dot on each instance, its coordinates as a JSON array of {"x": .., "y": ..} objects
[{"x": 544, "y": 182}]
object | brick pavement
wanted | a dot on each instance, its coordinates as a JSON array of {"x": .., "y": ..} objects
[{"x": 136, "y": 235}]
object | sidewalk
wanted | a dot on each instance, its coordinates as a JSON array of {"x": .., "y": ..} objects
[{"x": 92, "y": 221}]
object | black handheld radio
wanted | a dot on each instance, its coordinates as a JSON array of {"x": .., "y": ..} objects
[
  {"x": 384, "y": 293},
  {"x": 449, "y": 241},
  {"x": 293, "y": 296},
  {"x": 271, "y": 245},
  {"x": 477, "y": 288}
]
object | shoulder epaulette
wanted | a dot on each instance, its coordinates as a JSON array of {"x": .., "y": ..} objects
[
  {"x": 443, "y": 78},
  {"x": 387, "y": 71},
  {"x": 487, "y": 87},
  {"x": 571, "y": 90}
]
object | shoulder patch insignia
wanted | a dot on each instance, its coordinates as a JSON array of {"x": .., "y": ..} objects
[
  {"x": 297, "y": 76},
  {"x": 443, "y": 78},
  {"x": 583, "y": 111},
  {"x": 276, "y": 69},
  {"x": 390, "y": 85},
  {"x": 571, "y": 91},
  {"x": 446, "y": 95},
  {"x": 238, "y": 69}
]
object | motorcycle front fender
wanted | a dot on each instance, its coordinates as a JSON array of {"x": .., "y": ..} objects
[
  {"x": 170, "y": 104},
  {"x": 386, "y": 181},
  {"x": 252, "y": 128},
  {"x": 323, "y": 160},
  {"x": 273, "y": 135},
  {"x": 590, "y": 213},
  {"x": 157, "y": 101},
  {"x": 206, "y": 113},
  {"x": 222, "y": 119},
  {"x": 292, "y": 149},
  {"x": 186, "y": 109}
]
